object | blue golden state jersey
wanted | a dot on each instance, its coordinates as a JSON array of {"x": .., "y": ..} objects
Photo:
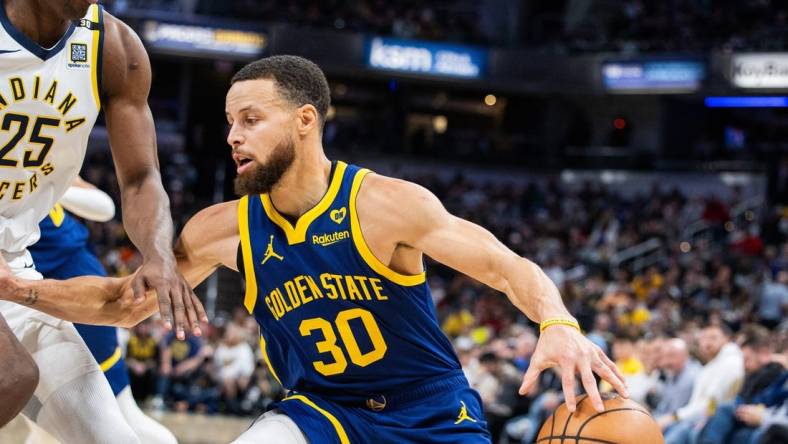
[
  {"x": 62, "y": 236},
  {"x": 334, "y": 320}
]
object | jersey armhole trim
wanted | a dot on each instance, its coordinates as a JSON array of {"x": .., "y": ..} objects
[
  {"x": 341, "y": 434},
  {"x": 406, "y": 280},
  {"x": 99, "y": 59},
  {"x": 250, "y": 298},
  {"x": 96, "y": 16},
  {"x": 268, "y": 361}
]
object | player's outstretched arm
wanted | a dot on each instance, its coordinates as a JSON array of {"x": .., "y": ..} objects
[
  {"x": 423, "y": 224},
  {"x": 209, "y": 240},
  {"x": 126, "y": 79}
]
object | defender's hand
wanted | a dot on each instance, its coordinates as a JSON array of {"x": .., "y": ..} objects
[
  {"x": 177, "y": 301},
  {"x": 565, "y": 347}
]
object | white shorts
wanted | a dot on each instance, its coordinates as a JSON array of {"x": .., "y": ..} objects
[{"x": 57, "y": 348}]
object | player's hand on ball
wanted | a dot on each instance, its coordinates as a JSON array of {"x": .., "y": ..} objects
[
  {"x": 566, "y": 348},
  {"x": 178, "y": 304}
]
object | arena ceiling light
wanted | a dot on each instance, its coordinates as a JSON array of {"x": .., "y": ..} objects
[
  {"x": 653, "y": 76},
  {"x": 426, "y": 58},
  {"x": 747, "y": 102},
  {"x": 760, "y": 71},
  {"x": 204, "y": 41}
]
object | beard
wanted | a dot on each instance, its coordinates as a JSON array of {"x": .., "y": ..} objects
[{"x": 262, "y": 178}]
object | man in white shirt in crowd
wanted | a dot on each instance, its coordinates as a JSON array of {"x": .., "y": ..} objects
[
  {"x": 234, "y": 361},
  {"x": 718, "y": 381}
]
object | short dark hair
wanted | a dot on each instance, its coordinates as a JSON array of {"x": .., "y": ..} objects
[
  {"x": 756, "y": 336},
  {"x": 300, "y": 81},
  {"x": 488, "y": 357},
  {"x": 721, "y": 326},
  {"x": 624, "y": 336}
]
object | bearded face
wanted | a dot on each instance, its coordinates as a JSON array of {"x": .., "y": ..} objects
[{"x": 261, "y": 178}]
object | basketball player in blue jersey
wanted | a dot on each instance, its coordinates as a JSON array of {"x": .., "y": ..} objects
[
  {"x": 333, "y": 260},
  {"x": 63, "y": 252},
  {"x": 61, "y": 62}
]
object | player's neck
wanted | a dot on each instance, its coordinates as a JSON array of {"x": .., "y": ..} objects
[
  {"x": 304, "y": 184},
  {"x": 39, "y": 23}
]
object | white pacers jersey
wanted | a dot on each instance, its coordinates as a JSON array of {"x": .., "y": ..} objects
[{"x": 49, "y": 101}]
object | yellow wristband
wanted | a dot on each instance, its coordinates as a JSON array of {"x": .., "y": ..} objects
[{"x": 558, "y": 321}]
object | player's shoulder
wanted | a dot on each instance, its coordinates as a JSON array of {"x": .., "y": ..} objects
[
  {"x": 123, "y": 54},
  {"x": 117, "y": 34},
  {"x": 397, "y": 204},
  {"x": 379, "y": 187}
]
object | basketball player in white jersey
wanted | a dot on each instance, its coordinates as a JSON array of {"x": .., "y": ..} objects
[{"x": 60, "y": 62}]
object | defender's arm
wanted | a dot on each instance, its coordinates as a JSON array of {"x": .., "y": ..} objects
[
  {"x": 146, "y": 210},
  {"x": 210, "y": 239},
  {"x": 84, "y": 299}
]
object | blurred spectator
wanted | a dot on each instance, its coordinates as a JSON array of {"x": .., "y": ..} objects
[
  {"x": 235, "y": 363},
  {"x": 497, "y": 385},
  {"x": 635, "y": 376},
  {"x": 601, "y": 334},
  {"x": 142, "y": 357},
  {"x": 680, "y": 374},
  {"x": 773, "y": 304},
  {"x": 546, "y": 397},
  {"x": 524, "y": 346},
  {"x": 182, "y": 377}
]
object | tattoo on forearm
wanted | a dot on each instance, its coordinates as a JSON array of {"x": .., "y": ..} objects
[{"x": 32, "y": 297}]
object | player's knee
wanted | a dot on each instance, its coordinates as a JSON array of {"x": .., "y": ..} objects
[
  {"x": 20, "y": 373},
  {"x": 28, "y": 376},
  {"x": 18, "y": 381},
  {"x": 27, "y": 373}
]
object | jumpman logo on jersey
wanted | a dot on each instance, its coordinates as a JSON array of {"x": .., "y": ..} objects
[
  {"x": 463, "y": 416},
  {"x": 269, "y": 252}
]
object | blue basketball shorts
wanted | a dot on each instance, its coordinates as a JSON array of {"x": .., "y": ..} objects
[{"x": 442, "y": 410}]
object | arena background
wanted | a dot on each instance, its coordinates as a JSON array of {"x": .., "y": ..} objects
[{"x": 637, "y": 151}]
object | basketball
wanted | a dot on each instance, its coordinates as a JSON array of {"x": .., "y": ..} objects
[{"x": 622, "y": 422}]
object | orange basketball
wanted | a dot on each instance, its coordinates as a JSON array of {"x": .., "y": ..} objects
[{"x": 622, "y": 422}]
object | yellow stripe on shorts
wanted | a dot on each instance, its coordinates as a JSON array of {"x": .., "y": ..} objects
[
  {"x": 334, "y": 421},
  {"x": 111, "y": 361}
]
